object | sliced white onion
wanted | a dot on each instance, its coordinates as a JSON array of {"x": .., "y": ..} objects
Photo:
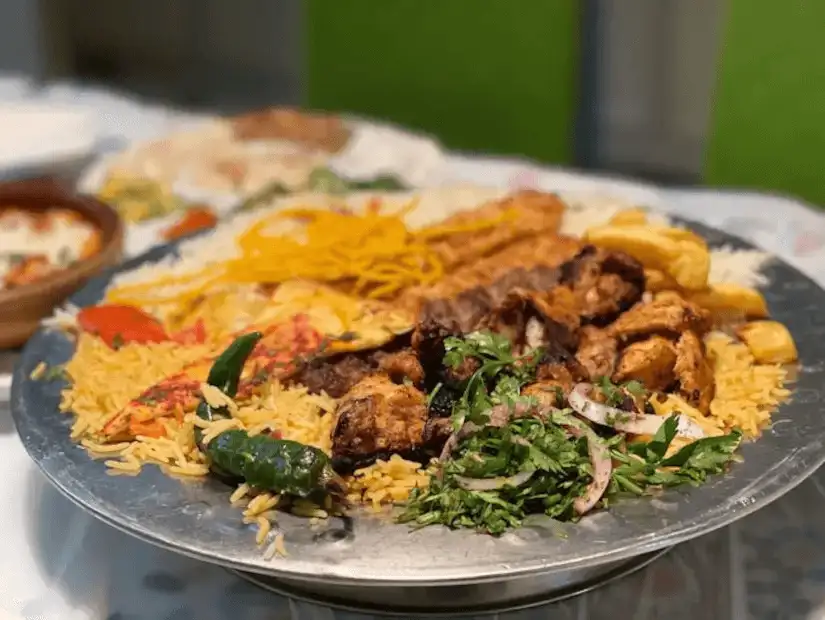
[
  {"x": 599, "y": 458},
  {"x": 625, "y": 421},
  {"x": 493, "y": 484}
]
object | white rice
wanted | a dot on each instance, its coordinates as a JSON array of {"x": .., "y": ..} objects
[
  {"x": 585, "y": 210},
  {"x": 743, "y": 267}
]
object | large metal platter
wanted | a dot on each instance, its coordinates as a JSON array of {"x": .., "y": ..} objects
[{"x": 196, "y": 519}]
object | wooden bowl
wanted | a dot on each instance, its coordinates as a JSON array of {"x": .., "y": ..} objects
[{"x": 22, "y": 308}]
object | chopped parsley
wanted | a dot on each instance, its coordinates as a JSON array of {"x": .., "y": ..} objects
[
  {"x": 498, "y": 379},
  {"x": 55, "y": 373},
  {"x": 561, "y": 472},
  {"x": 615, "y": 395},
  {"x": 645, "y": 464}
]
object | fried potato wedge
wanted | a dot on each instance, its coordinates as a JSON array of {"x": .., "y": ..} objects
[
  {"x": 692, "y": 267},
  {"x": 727, "y": 298},
  {"x": 769, "y": 342},
  {"x": 672, "y": 295},
  {"x": 657, "y": 281},
  {"x": 629, "y": 217},
  {"x": 649, "y": 247},
  {"x": 679, "y": 234},
  {"x": 681, "y": 254}
]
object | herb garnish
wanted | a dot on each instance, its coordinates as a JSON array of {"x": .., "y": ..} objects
[
  {"x": 645, "y": 464},
  {"x": 55, "y": 373},
  {"x": 615, "y": 395},
  {"x": 498, "y": 379},
  {"x": 561, "y": 472}
]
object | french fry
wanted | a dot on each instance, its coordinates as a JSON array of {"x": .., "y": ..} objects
[
  {"x": 680, "y": 254},
  {"x": 672, "y": 295},
  {"x": 679, "y": 234},
  {"x": 691, "y": 267},
  {"x": 649, "y": 247},
  {"x": 657, "y": 281},
  {"x": 727, "y": 298},
  {"x": 769, "y": 342},
  {"x": 629, "y": 217}
]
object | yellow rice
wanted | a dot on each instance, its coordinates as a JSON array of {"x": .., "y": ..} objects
[
  {"x": 746, "y": 395},
  {"x": 103, "y": 380},
  {"x": 386, "y": 482}
]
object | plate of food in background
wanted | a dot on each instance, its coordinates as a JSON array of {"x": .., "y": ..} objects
[
  {"x": 189, "y": 179},
  {"x": 432, "y": 388},
  {"x": 51, "y": 242}
]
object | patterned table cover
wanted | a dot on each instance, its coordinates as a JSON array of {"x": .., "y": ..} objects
[{"x": 58, "y": 563}]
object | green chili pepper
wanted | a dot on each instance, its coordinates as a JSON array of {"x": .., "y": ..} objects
[
  {"x": 277, "y": 465},
  {"x": 226, "y": 370}
]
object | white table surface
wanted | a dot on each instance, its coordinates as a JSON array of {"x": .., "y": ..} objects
[{"x": 56, "y": 562}]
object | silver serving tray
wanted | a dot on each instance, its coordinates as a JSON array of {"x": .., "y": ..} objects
[{"x": 364, "y": 554}]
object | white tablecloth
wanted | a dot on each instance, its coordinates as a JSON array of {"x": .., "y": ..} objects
[{"x": 58, "y": 563}]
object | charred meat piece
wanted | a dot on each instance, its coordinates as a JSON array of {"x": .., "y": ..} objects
[
  {"x": 466, "y": 310},
  {"x": 436, "y": 433},
  {"x": 334, "y": 375},
  {"x": 650, "y": 362},
  {"x": 693, "y": 372},
  {"x": 442, "y": 400},
  {"x": 376, "y": 419},
  {"x": 428, "y": 344},
  {"x": 559, "y": 367},
  {"x": 665, "y": 316},
  {"x": 531, "y": 319},
  {"x": 597, "y": 352},
  {"x": 606, "y": 283},
  {"x": 473, "y": 289},
  {"x": 402, "y": 366}
]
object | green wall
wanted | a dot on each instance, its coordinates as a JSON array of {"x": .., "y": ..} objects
[
  {"x": 494, "y": 75},
  {"x": 768, "y": 127}
]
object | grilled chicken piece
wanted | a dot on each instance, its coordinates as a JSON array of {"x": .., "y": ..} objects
[
  {"x": 693, "y": 372},
  {"x": 378, "y": 418},
  {"x": 606, "y": 283},
  {"x": 597, "y": 352},
  {"x": 402, "y": 366},
  {"x": 649, "y": 361},
  {"x": 530, "y": 319},
  {"x": 670, "y": 316},
  {"x": 536, "y": 213}
]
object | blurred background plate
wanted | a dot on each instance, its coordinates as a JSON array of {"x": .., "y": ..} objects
[
  {"x": 7, "y": 361},
  {"x": 45, "y": 140}
]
